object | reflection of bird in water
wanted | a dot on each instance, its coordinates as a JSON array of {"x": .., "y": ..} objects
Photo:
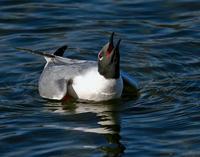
[{"x": 108, "y": 123}]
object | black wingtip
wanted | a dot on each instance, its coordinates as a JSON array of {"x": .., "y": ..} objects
[
  {"x": 35, "y": 52},
  {"x": 60, "y": 51}
]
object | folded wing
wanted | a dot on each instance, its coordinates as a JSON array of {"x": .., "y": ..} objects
[{"x": 130, "y": 84}]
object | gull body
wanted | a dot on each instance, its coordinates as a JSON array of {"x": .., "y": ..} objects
[{"x": 99, "y": 80}]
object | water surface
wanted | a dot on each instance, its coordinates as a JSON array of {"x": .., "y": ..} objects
[{"x": 160, "y": 48}]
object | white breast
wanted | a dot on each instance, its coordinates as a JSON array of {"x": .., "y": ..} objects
[{"x": 93, "y": 86}]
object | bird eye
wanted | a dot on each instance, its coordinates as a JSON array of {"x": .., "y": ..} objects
[{"x": 100, "y": 56}]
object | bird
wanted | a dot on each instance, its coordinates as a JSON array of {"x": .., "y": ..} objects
[{"x": 100, "y": 80}]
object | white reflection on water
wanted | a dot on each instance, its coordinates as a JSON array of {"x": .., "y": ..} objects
[
  {"x": 107, "y": 122},
  {"x": 105, "y": 111}
]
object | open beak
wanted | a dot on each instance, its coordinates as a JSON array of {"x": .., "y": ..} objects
[
  {"x": 111, "y": 45},
  {"x": 114, "y": 53},
  {"x": 110, "y": 50},
  {"x": 111, "y": 39}
]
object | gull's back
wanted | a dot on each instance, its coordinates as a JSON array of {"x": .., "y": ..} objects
[{"x": 58, "y": 74}]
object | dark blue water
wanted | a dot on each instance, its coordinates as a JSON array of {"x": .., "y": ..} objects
[{"x": 160, "y": 48}]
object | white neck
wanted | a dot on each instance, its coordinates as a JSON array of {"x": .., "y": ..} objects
[{"x": 93, "y": 86}]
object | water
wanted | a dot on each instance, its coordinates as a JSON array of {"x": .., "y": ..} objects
[{"x": 160, "y": 48}]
